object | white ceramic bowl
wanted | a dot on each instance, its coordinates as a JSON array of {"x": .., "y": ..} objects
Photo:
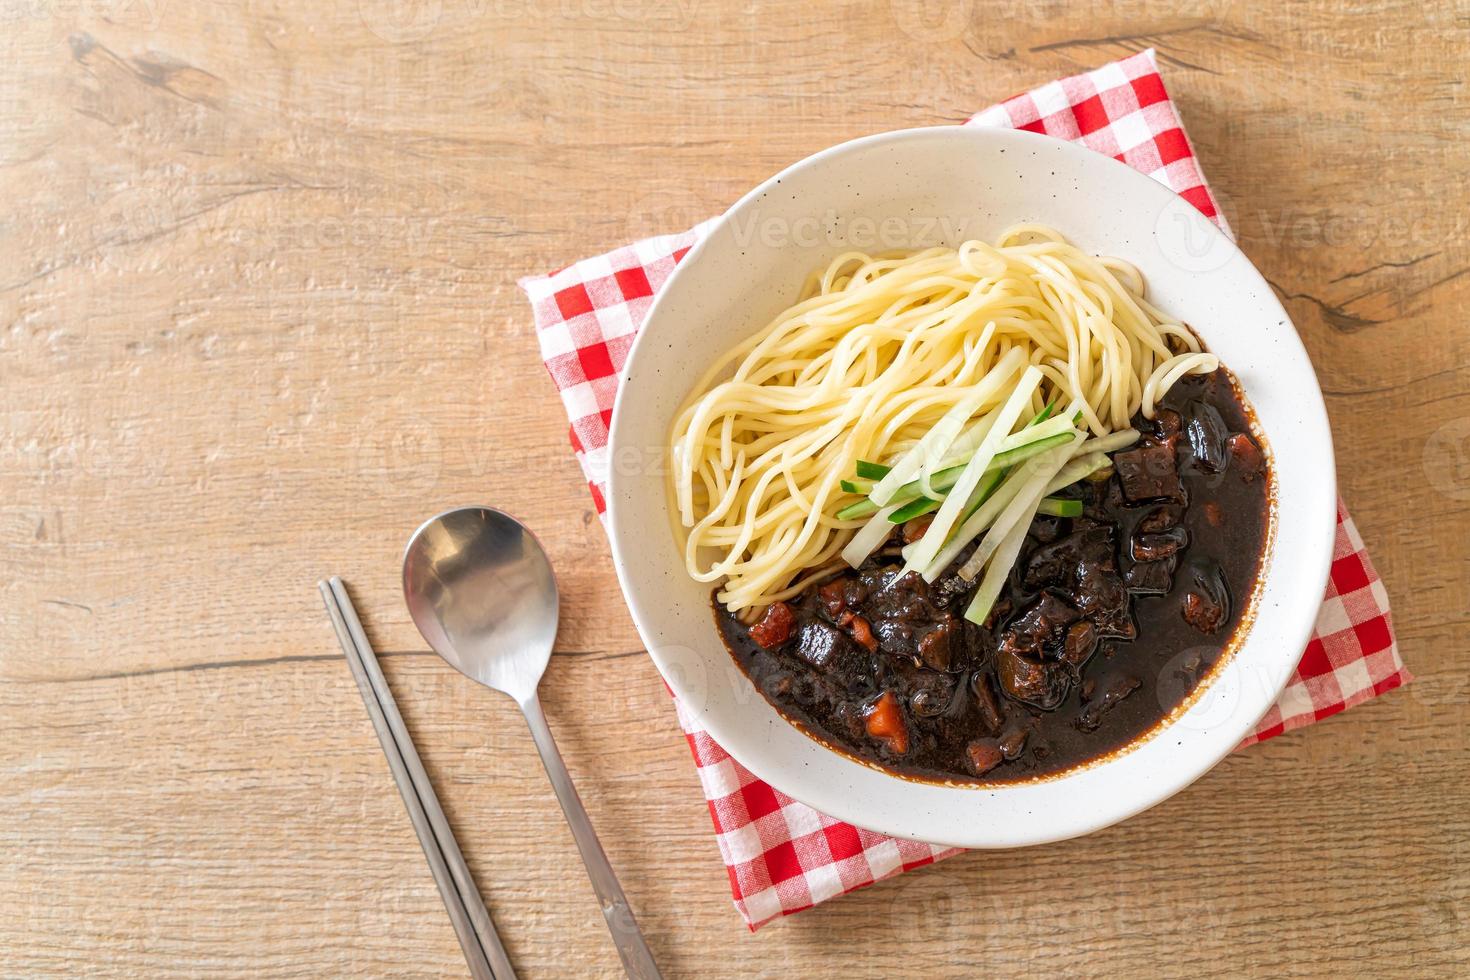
[{"x": 943, "y": 185}]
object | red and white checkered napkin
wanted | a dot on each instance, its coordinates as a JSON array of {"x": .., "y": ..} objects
[{"x": 782, "y": 856}]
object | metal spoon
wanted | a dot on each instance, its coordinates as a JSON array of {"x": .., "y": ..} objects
[{"x": 481, "y": 591}]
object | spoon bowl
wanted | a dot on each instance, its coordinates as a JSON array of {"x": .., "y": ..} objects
[{"x": 481, "y": 591}]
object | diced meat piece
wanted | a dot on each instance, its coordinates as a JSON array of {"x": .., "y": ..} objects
[
  {"x": 1039, "y": 625},
  {"x": 1148, "y": 473},
  {"x": 1213, "y": 514},
  {"x": 872, "y": 580},
  {"x": 1057, "y": 563},
  {"x": 884, "y": 720},
  {"x": 856, "y": 591},
  {"x": 1151, "y": 577},
  {"x": 968, "y": 645},
  {"x": 862, "y": 634},
  {"x": 936, "y": 647},
  {"x": 774, "y": 627},
  {"x": 1083, "y": 564},
  {"x": 1103, "y": 598},
  {"x": 1158, "y": 545},
  {"x": 1160, "y": 518},
  {"x": 1044, "y": 529},
  {"x": 914, "y": 529},
  {"x": 1047, "y": 565},
  {"x": 823, "y": 646},
  {"x": 1201, "y": 612},
  {"x": 896, "y": 637},
  {"x": 833, "y": 598},
  {"x": 1079, "y": 645},
  {"x": 1245, "y": 456},
  {"x": 992, "y": 711},
  {"x": 984, "y": 755},
  {"x": 1118, "y": 624},
  {"x": 933, "y": 695},
  {"x": 1028, "y": 680},
  {"x": 1095, "y": 544},
  {"x": 1012, "y": 743},
  {"x": 1206, "y": 432},
  {"x": 1206, "y": 606},
  {"x": 1166, "y": 423},
  {"x": 904, "y": 611},
  {"x": 1113, "y": 690}
]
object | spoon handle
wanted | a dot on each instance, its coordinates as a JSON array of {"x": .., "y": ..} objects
[{"x": 637, "y": 960}]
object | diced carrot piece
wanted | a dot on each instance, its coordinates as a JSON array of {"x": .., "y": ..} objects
[
  {"x": 885, "y": 721},
  {"x": 862, "y": 634},
  {"x": 774, "y": 627}
]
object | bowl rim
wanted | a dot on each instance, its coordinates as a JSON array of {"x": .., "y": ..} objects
[{"x": 1300, "y": 624}]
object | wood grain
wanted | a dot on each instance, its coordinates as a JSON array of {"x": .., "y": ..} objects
[{"x": 258, "y": 318}]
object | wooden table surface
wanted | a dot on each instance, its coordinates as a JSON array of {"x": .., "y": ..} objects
[{"x": 258, "y": 318}]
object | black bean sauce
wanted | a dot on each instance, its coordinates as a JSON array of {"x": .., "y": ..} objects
[{"x": 1107, "y": 623}]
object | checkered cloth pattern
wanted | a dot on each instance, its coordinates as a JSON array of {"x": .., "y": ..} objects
[{"x": 783, "y": 856}]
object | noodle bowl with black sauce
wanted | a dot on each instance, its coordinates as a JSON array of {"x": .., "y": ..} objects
[{"x": 974, "y": 514}]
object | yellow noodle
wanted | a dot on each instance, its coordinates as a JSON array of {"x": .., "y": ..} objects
[{"x": 875, "y": 352}]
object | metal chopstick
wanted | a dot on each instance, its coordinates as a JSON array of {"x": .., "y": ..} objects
[{"x": 477, "y": 937}]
